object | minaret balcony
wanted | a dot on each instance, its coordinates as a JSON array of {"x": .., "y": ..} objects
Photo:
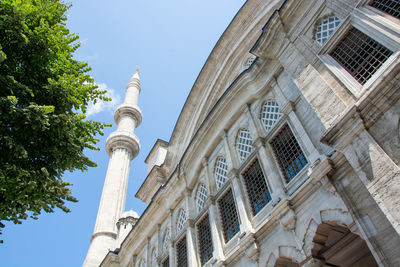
[
  {"x": 128, "y": 110},
  {"x": 125, "y": 140}
]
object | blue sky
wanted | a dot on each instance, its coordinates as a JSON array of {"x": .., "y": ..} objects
[{"x": 170, "y": 41}]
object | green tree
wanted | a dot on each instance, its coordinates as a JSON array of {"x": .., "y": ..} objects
[{"x": 44, "y": 94}]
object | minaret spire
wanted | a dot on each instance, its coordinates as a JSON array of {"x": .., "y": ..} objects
[{"x": 122, "y": 146}]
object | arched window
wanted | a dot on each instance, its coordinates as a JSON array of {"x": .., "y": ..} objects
[
  {"x": 326, "y": 28},
  {"x": 142, "y": 263},
  {"x": 181, "y": 219},
  {"x": 201, "y": 197},
  {"x": 221, "y": 171},
  {"x": 154, "y": 257},
  {"x": 167, "y": 237},
  {"x": 244, "y": 144},
  {"x": 270, "y": 114}
]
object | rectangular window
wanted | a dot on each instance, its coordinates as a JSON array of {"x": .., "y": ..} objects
[
  {"x": 360, "y": 55},
  {"x": 229, "y": 216},
  {"x": 181, "y": 252},
  {"x": 205, "y": 240},
  {"x": 256, "y": 186},
  {"x": 392, "y": 7},
  {"x": 165, "y": 263},
  {"x": 287, "y": 150}
]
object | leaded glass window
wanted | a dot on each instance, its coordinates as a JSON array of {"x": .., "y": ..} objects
[
  {"x": 181, "y": 219},
  {"x": 256, "y": 186},
  {"x": 326, "y": 28},
  {"x": 142, "y": 263},
  {"x": 287, "y": 150},
  {"x": 167, "y": 237},
  {"x": 205, "y": 240},
  {"x": 229, "y": 215},
  {"x": 181, "y": 252},
  {"x": 221, "y": 172},
  {"x": 391, "y": 7},
  {"x": 270, "y": 114},
  {"x": 360, "y": 55},
  {"x": 201, "y": 197},
  {"x": 244, "y": 144}
]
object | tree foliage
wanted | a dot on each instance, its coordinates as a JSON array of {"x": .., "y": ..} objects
[{"x": 44, "y": 93}]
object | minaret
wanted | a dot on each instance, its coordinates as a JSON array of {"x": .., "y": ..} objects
[{"x": 122, "y": 146}]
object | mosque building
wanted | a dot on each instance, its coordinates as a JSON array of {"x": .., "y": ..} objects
[{"x": 286, "y": 152}]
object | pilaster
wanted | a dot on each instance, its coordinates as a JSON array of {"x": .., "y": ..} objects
[{"x": 240, "y": 203}]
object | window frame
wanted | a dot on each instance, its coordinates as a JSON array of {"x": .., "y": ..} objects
[
  {"x": 288, "y": 182},
  {"x": 215, "y": 172},
  {"x": 183, "y": 240},
  {"x": 247, "y": 192},
  {"x": 199, "y": 221},
  {"x": 196, "y": 197},
  {"x": 221, "y": 222},
  {"x": 179, "y": 223},
  {"x": 241, "y": 162},
  {"x": 369, "y": 28},
  {"x": 261, "y": 111}
]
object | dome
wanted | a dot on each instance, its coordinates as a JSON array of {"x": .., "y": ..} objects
[{"x": 130, "y": 213}]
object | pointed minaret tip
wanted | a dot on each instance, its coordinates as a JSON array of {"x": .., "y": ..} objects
[{"x": 136, "y": 74}]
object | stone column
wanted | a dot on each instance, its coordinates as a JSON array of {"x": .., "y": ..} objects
[
  {"x": 271, "y": 171},
  {"x": 191, "y": 243},
  {"x": 210, "y": 178},
  {"x": 373, "y": 192},
  {"x": 218, "y": 253},
  {"x": 240, "y": 202},
  {"x": 232, "y": 155}
]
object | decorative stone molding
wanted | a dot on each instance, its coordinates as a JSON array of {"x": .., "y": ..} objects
[
  {"x": 126, "y": 220},
  {"x": 253, "y": 252},
  {"x": 320, "y": 168},
  {"x": 288, "y": 220},
  {"x": 124, "y": 140},
  {"x": 128, "y": 110},
  {"x": 329, "y": 216},
  {"x": 290, "y": 252}
]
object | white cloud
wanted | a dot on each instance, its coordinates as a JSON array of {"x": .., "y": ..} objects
[{"x": 100, "y": 105}]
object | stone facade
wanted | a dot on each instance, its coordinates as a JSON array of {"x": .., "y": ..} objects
[{"x": 287, "y": 149}]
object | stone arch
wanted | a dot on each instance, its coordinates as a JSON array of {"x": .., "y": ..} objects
[
  {"x": 329, "y": 216},
  {"x": 308, "y": 237},
  {"x": 338, "y": 216},
  {"x": 288, "y": 256},
  {"x": 330, "y": 240}
]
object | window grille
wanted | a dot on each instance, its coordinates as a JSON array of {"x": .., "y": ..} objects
[
  {"x": 165, "y": 263},
  {"x": 360, "y": 55},
  {"x": 229, "y": 216},
  {"x": 205, "y": 240},
  {"x": 270, "y": 114},
  {"x": 392, "y": 7},
  {"x": 166, "y": 240},
  {"x": 201, "y": 197},
  {"x": 288, "y": 152},
  {"x": 181, "y": 219},
  {"x": 221, "y": 171},
  {"x": 326, "y": 28},
  {"x": 256, "y": 187},
  {"x": 244, "y": 144},
  {"x": 181, "y": 252}
]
